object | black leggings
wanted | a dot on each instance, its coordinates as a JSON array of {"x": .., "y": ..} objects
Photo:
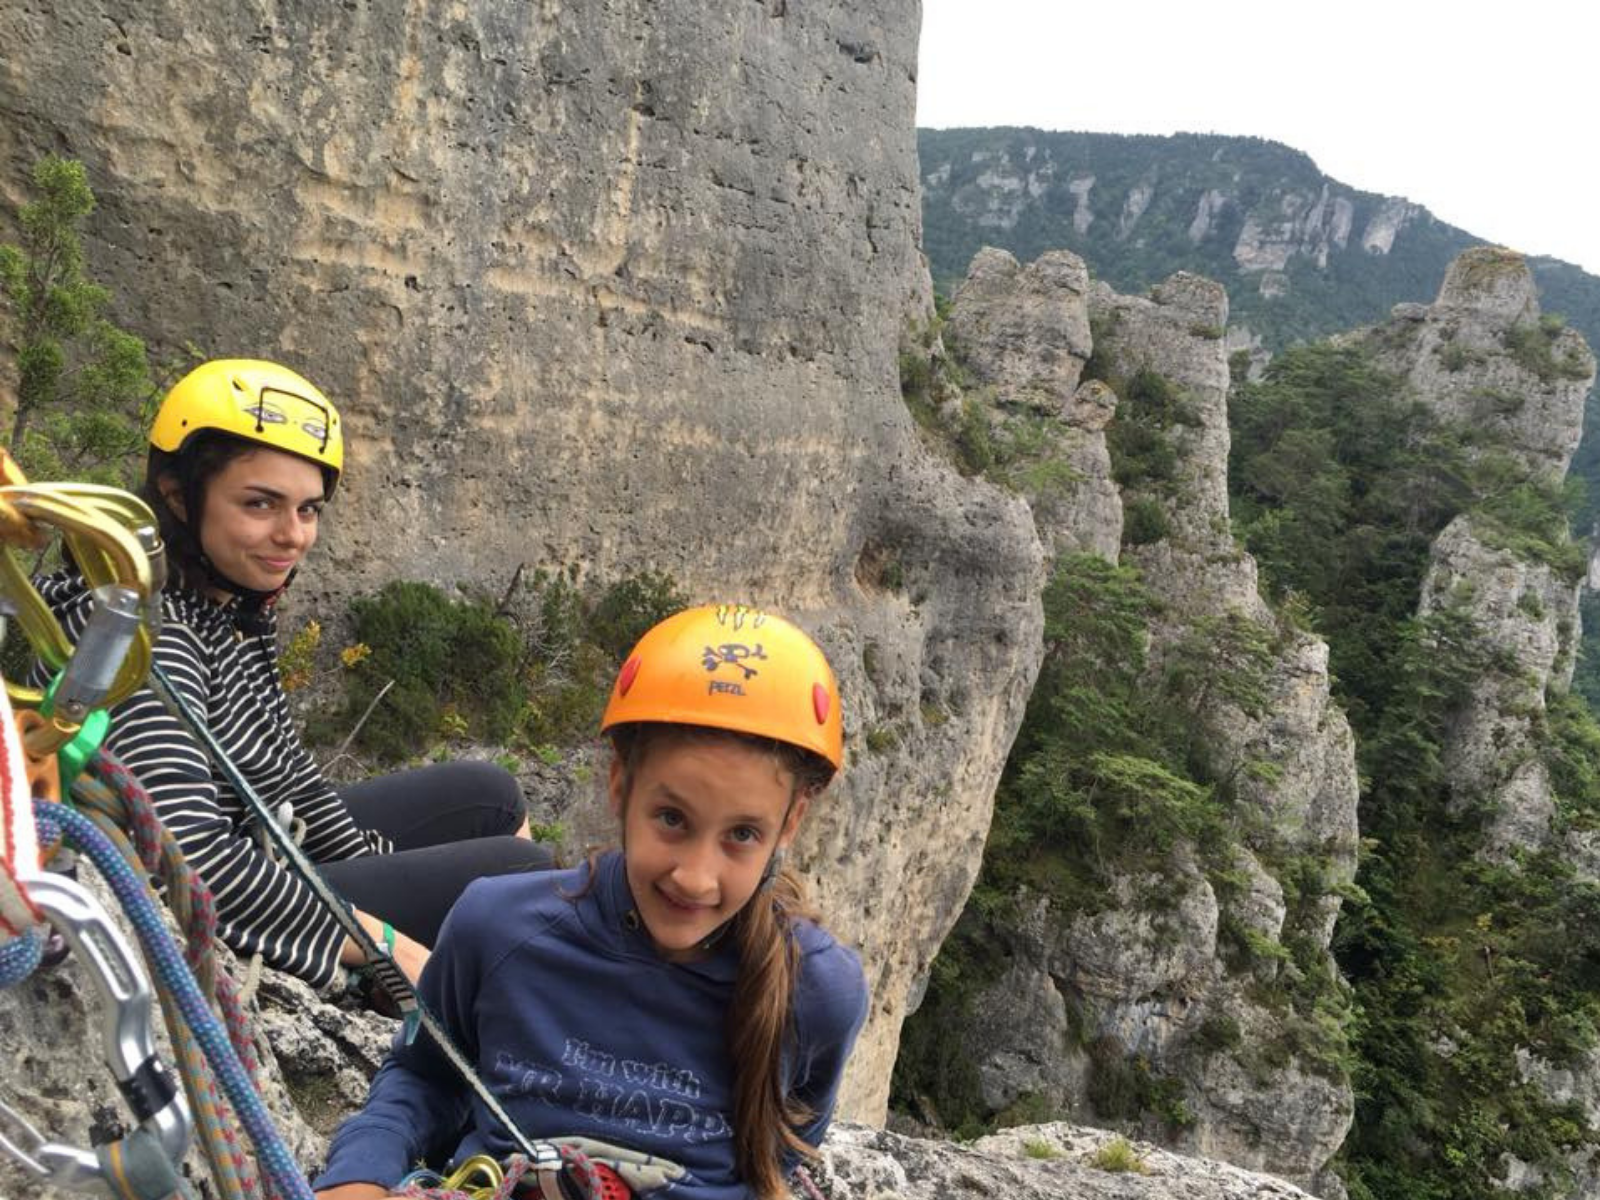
[{"x": 450, "y": 824}]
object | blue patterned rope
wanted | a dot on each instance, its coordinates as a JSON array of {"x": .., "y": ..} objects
[
  {"x": 19, "y": 957},
  {"x": 162, "y": 950}
]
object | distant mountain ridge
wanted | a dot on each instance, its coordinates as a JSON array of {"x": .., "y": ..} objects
[{"x": 1301, "y": 254}]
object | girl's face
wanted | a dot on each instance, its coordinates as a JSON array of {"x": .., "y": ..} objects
[
  {"x": 260, "y": 519},
  {"x": 699, "y": 825}
]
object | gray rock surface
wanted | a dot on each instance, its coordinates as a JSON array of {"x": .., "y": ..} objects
[
  {"x": 1527, "y": 612},
  {"x": 1144, "y": 979},
  {"x": 1042, "y": 1162},
  {"x": 1301, "y": 224},
  {"x": 1459, "y": 355},
  {"x": 1023, "y": 334},
  {"x": 1480, "y": 358},
  {"x": 612, "y": 285},
  {"x": 1024, "y": 330}
]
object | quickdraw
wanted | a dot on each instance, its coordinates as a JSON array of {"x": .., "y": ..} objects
[{"x": 113, "y": 538}]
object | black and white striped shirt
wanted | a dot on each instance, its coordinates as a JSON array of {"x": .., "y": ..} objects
[{"x": 232, "y": 679}]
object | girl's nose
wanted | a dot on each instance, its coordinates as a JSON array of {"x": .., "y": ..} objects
[
  {"x": 290, "y": 529},
  {"x": 694, "y": 876}
]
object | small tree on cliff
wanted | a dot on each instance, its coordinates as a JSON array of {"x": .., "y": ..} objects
[{"x": 81, "y": 382}]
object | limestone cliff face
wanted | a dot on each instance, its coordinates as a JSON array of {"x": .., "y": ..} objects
[
  {"x": 613, "y": 285},
  {"x": 1023, "y": 332},
  {"x": 1480, "y": 356},
  {"x": 1142, "y": 978}
]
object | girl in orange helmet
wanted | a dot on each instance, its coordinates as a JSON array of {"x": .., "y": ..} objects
[{"x": 673, "y": 1000}]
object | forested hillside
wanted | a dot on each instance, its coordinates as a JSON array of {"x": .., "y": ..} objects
[{"x": 1168, "y": 936}]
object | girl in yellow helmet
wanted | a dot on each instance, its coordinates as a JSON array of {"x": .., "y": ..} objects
[
  {"x": 243, "y": 456},
  {"x": 673, "y": 1002}
]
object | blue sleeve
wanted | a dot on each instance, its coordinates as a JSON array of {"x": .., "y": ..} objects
[
  {"x": 830, "y": 1009},
  {"x": 418, "y": 1104}
]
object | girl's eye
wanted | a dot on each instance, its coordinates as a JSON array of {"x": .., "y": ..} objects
[
  {"x": 745, "y": 835},
  {"x": 669, "y": 818},
  {"x": 311, "y": 511}
]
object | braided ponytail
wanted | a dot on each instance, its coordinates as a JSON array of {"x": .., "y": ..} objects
[{"x": 760, "y": 1028}]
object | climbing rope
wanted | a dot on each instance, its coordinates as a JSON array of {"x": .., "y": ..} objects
[
  {"x": 160, "y": 949},
  {"x": 112, "y": 798}
]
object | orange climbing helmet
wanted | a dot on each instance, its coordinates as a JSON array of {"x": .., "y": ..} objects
[
  {"x": 730, "y": 667},
  {"x": 257, "y": 401}
]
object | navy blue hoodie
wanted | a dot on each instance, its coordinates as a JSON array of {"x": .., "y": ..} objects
[{"x": 580, "y": 1028}]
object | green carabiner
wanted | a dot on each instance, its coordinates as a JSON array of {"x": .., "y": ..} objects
[{"x": 75, "y": 755}]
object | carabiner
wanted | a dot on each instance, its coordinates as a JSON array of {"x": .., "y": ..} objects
[
  {"x": 158, "y": 1105},
  {"x": 114, "y": 539},
  {"x": 75, "y": 721}
]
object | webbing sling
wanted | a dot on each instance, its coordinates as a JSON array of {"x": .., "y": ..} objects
[{"x": 393, "y": 979}]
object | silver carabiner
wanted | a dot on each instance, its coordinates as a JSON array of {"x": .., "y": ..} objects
[{"x": 158, "y": 1104}]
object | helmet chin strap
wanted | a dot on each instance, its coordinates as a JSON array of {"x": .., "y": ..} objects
[{"x": 250, "y": 607}]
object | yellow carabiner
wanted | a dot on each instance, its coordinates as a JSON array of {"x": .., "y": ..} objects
[
  {"x": 478, "y": 1167},
  {"x": 112, "y": 537}
]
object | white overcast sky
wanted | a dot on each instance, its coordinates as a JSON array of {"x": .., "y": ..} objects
[{"x": 1485, "y": 113}]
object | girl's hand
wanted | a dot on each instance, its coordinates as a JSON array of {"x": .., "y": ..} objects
[
  {"x": 410, "y": 956},
  {"x": 355, "y": 1191}
]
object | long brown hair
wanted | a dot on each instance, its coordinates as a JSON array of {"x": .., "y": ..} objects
[{"x": 761, "y": 1017}]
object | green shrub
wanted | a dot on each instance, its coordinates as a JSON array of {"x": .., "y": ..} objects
[
  {"x": 1118, "y": 1154},
  {"x": 444, "y": 656},
  {"x": 627, "y": 609},
  {"x": 533, "y": 671},
  {"x": 83, "y": 385},
  {"x": 974, "y": 439},
  {"x": 1144, "y": 520},
  {"x": 1123, "y": 1087},
  {"x": 1532, "y": 346},
  {"x": 1218, "y": 1033}
]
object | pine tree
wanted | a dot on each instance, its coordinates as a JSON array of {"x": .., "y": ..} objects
[{"x": 81, "y": 382}]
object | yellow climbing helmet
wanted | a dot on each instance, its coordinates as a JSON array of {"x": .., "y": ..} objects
[
  {"x": 257, "y": 401},
  {"x": 730, "y": 667}
]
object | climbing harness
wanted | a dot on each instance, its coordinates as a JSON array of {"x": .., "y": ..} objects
[{"x": 571, "y": 1168}]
